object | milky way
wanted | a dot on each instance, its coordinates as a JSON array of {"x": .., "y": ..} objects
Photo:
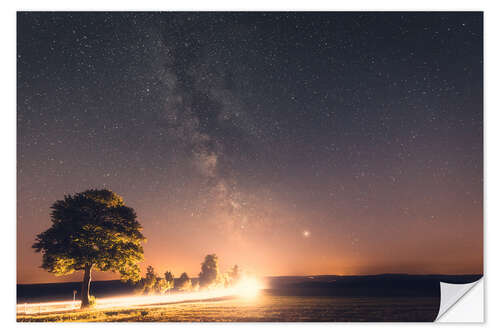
[{"x": 290, "y": 143}]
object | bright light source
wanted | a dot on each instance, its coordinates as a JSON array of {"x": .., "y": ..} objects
[{"x": 248, "y": 287}]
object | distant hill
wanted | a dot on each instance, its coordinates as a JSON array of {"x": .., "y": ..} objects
[{"x": 384, "y": 285}]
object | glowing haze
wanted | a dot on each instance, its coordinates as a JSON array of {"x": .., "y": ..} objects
[{"x": 289, "y": 144}]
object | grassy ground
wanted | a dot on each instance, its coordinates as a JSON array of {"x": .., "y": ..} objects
[{"x": 264, "y": 308}]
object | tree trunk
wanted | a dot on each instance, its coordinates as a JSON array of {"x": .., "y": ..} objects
[{"x": 86, "y": 287}]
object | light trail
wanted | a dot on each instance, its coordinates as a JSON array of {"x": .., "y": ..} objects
[{"x": 246, "y": 288}]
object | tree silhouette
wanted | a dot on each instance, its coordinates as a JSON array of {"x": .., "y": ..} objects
[
  {"x": 235, "y": 274},
  {"x": 184, "y": 282},
  {"x": 147, "y": 284},
  {"x": 92, "y": 230},
  {"x": 209, "y": 271},
  {"x": 169, "y": 278},
  {"x": 160, "y": 286}
]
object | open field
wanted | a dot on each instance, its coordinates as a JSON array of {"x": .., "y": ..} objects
[
  {"x": 318, "y": 298},
  {"x": 263, "y": 308}
]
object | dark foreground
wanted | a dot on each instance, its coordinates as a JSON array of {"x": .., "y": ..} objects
[
  {"x": 377, "y": 298},
  {"x": 266, "y": 308}
]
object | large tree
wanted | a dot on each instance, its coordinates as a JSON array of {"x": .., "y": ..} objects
[{"x": 92, "y": 230}]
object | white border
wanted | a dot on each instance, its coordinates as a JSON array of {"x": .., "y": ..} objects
[{"x": 8, "y": 144}]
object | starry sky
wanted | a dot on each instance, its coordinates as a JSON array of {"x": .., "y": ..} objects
[{"x": 288, "y": 143}]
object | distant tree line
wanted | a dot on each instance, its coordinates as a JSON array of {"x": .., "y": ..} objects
[{"x": 210, "y": 277}]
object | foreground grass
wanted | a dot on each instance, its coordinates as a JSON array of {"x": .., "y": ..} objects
[
  {"x": 262, "y": 308},
  {"x": 85, "y": 316},
  {"x": 193, "y": 312}
]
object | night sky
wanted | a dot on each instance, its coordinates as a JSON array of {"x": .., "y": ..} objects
[{"x": 287, "y": 143}]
